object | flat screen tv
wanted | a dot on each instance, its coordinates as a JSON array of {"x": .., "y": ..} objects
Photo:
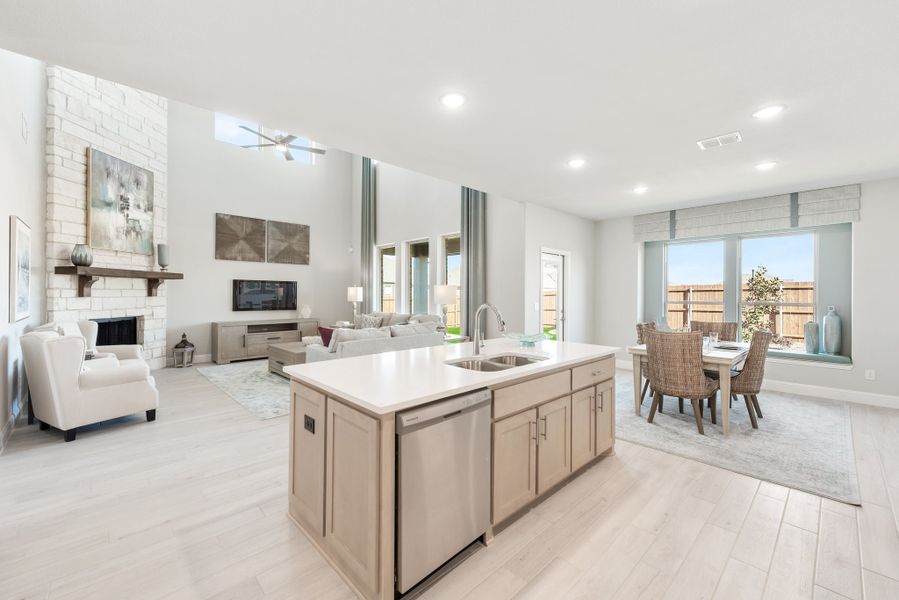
[{"x": 250, "y": 294}]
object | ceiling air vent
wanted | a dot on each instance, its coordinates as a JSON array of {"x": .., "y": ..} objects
[{"x": 720, "y": 140}]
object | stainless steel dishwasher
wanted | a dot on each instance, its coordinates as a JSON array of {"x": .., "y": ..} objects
[{"x": 443, "y": 482}]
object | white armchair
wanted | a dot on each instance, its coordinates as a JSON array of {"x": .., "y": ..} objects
[
  {"x": 87, "y": 330},
  {"x": 67, "y": 395}
]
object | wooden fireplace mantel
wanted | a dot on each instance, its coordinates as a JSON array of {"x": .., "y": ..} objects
[{"x": 88, "y": 276}]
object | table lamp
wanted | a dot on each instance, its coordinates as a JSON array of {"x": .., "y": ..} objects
[
  {"x": 354, "y": 295},
  {"x": 444, "y": 295}
]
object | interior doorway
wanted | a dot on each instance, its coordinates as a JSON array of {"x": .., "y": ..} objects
[{"x": 552, "y": 294}]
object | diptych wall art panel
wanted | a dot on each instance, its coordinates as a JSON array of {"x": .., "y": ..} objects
[
  {"x": 288, "y": 243},
  {"x": 258, "y": 240},
  {"x": 239, "y": 238}
]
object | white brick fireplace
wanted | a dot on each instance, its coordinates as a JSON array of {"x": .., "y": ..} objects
[{"x": 130, "y": 124}]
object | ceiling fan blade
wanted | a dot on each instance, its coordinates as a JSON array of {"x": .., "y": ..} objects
[
  {"x": 258, "y": 146},
  {"x": 308, "y": 149},
  {"x": 287, "y": 156},
  {"x": 259, "y": 133},
  {"x": 287, "y": 139}
]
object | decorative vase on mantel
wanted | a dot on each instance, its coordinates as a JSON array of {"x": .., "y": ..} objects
[
  {"x": 833, "y": 333},
  {"x": 812, "y": 338},
  {"x": 82, "y": 256},
  {"x": 162, "y": 256}
]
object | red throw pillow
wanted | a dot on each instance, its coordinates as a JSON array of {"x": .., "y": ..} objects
[{"x": 326, "y": 333}]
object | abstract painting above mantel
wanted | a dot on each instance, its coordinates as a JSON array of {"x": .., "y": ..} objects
[
  {"x": 257, "y": 240},
  {"x": 119, "y": 204},
  {"x": 19, "y": 269}
]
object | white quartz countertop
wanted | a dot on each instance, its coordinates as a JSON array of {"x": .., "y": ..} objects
[{"x": 393, "y": 381}]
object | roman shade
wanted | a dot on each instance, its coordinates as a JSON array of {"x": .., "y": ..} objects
[{"x": 828, "y": 206}]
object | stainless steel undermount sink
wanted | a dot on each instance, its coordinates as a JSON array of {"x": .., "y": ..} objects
[{"x": 495, "y": 363}]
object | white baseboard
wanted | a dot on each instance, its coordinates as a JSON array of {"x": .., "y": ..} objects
[
  {"x": 805, "y": 389},
  {"x": 832, "y": 393},
  {"x": 198, "y": 359}
]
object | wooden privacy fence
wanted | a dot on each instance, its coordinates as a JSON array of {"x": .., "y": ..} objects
[{"x": 784, "y": 321}]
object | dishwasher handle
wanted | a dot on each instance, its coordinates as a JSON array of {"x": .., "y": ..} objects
[{"x": 442, "y": 410}]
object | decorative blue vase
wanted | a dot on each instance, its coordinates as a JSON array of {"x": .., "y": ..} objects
[
  {"x": 812, "y": 339},
  {"x": 833, "y": 331}
]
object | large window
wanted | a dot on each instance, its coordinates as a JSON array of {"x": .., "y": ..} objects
[
  {"x": 419, "y": 276},
  {"x": 695, "y": 281},
  {"x": 387, "y": 278},
  {"x": 777, "y": 277},
  {"x": 452, "y": 275},
  {"x": 761, "y": 282}
]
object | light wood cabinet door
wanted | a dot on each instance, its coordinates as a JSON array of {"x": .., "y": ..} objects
[
  {"x": 605, "y": 416},
  {"x": 583, "y": 427},
  {"x": 233, "y": 342},
  {"x": 553, "y": 443},
  {"x": 307, "y": 459},
  {"x": 514, "y": 463},
  {"x": 352, "y": 493}
]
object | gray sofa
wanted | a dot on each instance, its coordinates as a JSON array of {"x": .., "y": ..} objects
[{"x": 359, "y": 342}]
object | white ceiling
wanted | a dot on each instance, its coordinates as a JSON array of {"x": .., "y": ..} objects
[{"x": 630, "y": 86}]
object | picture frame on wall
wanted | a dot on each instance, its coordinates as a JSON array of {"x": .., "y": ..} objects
[
  {"x": 19, "y": 269},
  {"x": 120, "y": 204}
]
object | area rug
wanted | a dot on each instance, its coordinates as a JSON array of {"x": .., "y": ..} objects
[
  {"x": 802, "y": 442},
  {"x": 264, "y": 394}
]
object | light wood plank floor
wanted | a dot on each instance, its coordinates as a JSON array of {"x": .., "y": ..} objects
[{"x": 193, "y": 507}]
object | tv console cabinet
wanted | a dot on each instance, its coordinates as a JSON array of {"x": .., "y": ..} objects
[{"x": 242, "y": 340}]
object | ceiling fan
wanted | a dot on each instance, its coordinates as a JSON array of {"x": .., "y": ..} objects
[{"x": 281, "y": 143}]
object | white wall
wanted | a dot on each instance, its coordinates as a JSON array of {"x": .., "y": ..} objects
[
  {"x": 411, "y": 207},
  {"x": 22, "y": 189},
  {"x": 875, "y": 329},
  {"x": 546, "y": 228},
  {"x": 619, "y": 268},
  {"x": 206, "y": 177}
]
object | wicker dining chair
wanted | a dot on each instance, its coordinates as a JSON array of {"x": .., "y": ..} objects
[
  {"x": 641, "y": 339},
  {"x": 675, "y": 369},
  {"x": 727, "y": 332},
  {"x": 748, "y": 382}
]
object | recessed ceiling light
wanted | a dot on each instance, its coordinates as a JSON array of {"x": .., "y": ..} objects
[
  {"x": 766, "y": 166},
  {"x": 769, "y": 111},
  {"x": 640, "y": 189},
  {"x": 453, "y": 100},
  {"x": 577, "y": 163}
]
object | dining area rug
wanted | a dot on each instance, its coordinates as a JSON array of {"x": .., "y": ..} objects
[
  {"x": 802, "y": 442},
  {"x": 262, "y": 393}
]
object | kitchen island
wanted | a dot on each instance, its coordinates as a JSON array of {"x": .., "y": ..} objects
[{"x": 549, "y": 413}]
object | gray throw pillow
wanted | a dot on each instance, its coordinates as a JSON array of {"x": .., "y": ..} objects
[{"x": 367, "y": 321}]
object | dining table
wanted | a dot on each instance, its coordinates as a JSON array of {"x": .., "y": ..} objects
[{"x": 714, "y": 358}]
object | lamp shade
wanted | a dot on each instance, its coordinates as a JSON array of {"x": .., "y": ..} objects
[
  {"x": 445, "y": 294},
  {"x": 354, "y": 293}
]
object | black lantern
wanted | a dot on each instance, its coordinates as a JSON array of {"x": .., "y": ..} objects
[{"x": 184, "y": 352}]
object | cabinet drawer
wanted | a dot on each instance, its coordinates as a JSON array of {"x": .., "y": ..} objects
[
  {"x": 272, "y": 337},
  {"x": 524, "y": 395},
  {"x": 592, "y": 373}
]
